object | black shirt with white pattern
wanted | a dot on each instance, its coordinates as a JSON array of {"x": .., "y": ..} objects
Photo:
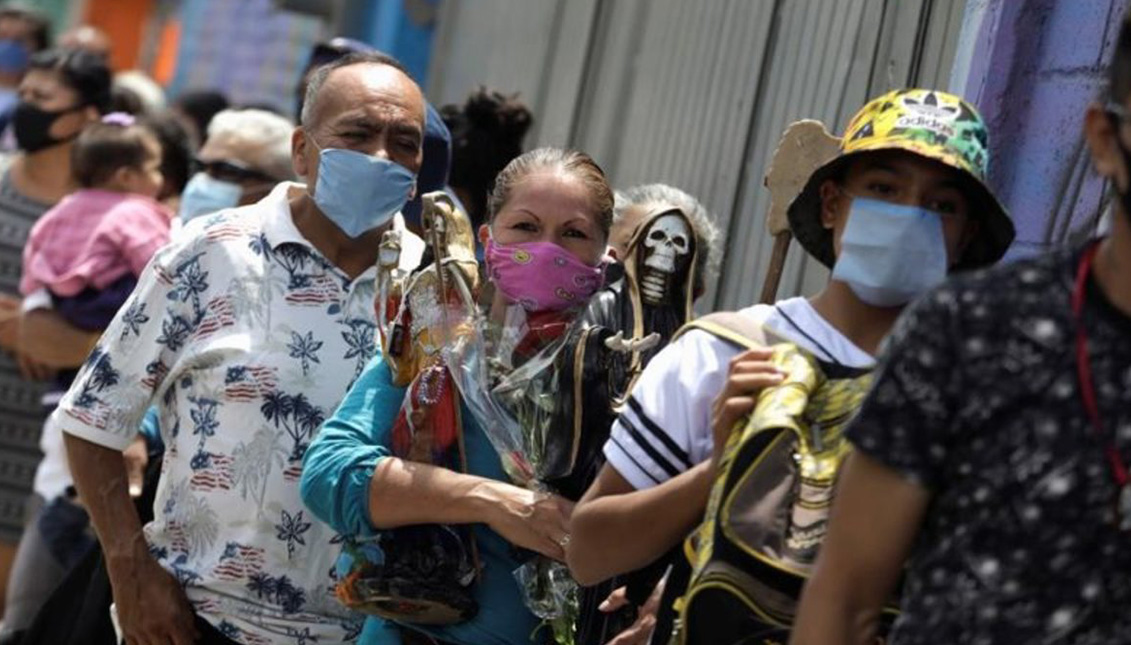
[{"x": 977, "y": 399}]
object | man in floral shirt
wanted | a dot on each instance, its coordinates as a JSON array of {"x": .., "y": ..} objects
[{"x": 246, "y": 334}]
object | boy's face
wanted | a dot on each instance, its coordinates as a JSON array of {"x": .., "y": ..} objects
[{"x": 908, "y": 179}]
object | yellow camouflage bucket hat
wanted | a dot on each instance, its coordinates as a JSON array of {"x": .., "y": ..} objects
[{"x": 932, "y": 124}]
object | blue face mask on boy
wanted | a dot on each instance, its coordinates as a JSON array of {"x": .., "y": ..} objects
[
  {"x": 890, "y": 253},
  {"x": 360, "y": 192}
]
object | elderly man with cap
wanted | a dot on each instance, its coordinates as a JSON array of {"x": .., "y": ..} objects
[
  {"x": 245, "y": 334},
  {"x": 906, "y": 191}
]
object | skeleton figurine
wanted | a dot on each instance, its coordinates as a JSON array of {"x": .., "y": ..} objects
[
  {"x": 623, "y": 327},
  {"x": 667, "y": 248}
]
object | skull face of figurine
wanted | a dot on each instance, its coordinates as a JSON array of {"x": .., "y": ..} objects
[{"x": 667, "y": 249}]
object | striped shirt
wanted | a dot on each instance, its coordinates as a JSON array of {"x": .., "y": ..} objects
[
  {"x": 665, "y": 428},
  {"x": 21, "y": 410}
]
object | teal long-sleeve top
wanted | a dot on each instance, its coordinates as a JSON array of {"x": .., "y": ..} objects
[{"x": 335, "y": 486}]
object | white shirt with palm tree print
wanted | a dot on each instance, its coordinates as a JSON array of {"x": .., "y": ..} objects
[{"x": 245, "y": 337}]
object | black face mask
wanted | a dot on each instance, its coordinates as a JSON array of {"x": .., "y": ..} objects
[{"x": 32, "y": 127}]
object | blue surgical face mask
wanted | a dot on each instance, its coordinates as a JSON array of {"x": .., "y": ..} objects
[
  {"x": 205, "y": 194},
  {"x": 360, "y": 192},
  {"x": 889, "y": 253},
  {"x": 13, "y": 56}
]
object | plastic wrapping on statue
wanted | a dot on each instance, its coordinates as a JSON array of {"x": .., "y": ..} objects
[
  {"x": 551, "y": 596},
  {"x": 422, "y": 574},
  {"x": 509, "y": 378}
]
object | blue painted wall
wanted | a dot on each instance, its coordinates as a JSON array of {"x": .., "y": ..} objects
[
  {"x": 1032, "y": 66},
  {"x": 400, "y": 28}
]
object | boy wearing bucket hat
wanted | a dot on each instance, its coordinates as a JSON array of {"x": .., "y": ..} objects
[
  {"x": 998, "y": 435},
  {"x": 901, "y": 206}
]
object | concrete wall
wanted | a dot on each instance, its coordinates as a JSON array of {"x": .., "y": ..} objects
[{"x": 1032, "y": 66}]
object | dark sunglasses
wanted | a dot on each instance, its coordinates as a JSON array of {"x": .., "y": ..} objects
[{"x": 232, "y": 171}]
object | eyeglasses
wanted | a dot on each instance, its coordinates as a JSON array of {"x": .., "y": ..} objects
[{"x": 232, "y": 171}]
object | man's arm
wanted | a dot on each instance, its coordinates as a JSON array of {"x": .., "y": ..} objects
[
  {"x": 875, "y": 520},
  {"x": 149, "y": 600},
  {"x": 616, "y": 528}
]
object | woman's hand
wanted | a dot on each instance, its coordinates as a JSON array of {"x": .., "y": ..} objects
[
  {"x": 749, "y": 373},
  {"x": 531, "y": 520}
]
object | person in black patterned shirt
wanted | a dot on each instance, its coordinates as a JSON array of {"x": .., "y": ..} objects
[{"x": 993, "y": 449}]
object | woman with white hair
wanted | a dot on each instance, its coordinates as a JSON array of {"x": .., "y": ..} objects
[{"x": 246, "y": 154}]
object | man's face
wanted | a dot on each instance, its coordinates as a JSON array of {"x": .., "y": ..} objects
[
  {"x": 18, "y": 29},
  {"x": 370, "y": 108},
  {"x": 902, "y": 178},
  {"x": 234, "y": 161}
]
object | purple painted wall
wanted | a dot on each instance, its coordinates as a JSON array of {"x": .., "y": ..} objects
[{"x": 1034, "y": 67}]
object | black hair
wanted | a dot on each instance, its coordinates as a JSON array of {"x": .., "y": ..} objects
[
  {"x": 123, "y": 99},
  {"x": 1119, "y": 87},
  {"x": 104, "y": 148},
  {"x": 38, "y": 24},
  {"x": 85, "y": 73},
  {"x": 487, "y": 133},
  {"x": 319, "y": 75},
  {"x": 200, "y": 106},
  {"x": 176, "y": 152}
]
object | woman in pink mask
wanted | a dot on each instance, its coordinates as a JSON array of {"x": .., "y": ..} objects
[{"x": 546, "y": 237}]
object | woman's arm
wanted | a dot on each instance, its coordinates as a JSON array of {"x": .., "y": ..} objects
[
  {"x": 403, "y": 493},
  {"x": 351, "y": 480},
  {"x": 862, "y": 555},
  {"x": 46, "y": 338}
]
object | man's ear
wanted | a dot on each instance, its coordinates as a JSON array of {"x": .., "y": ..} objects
[
  {"x": 612, "y": 252},
  {"x": 831, "y": 207},
  {"x": 1101, "y": 133},
  {"x": 298, "y": 153}
]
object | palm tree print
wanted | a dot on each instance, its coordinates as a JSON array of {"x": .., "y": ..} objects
[
  {"x": 297, "y": 417},
  {"x": 102, "y": 376},
  {"x": 189, "y": 281},
  {"x": 203, "y": 415},
  {"x": 305, "y": 349},
  {"x": 294, "y": 257},
  {"x": 359, "y": 340},
  {"x": 134, "y": 318},
  {"x": 279, "y": 591},
  {"x": 290, "y": 530},
  {"x": 174, "y": 332},
  {"x": 253, "y": 462}
]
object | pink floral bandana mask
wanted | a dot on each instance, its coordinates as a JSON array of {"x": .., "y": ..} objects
[{"x": 542, "y": 276}]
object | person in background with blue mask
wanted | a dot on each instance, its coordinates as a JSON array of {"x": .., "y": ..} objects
[
  {"x": 903, "y": 205},
  {"x": 23, "y": 32},
  {"x": 246, "y": 154},
  {"x": 246, "y": 334}
]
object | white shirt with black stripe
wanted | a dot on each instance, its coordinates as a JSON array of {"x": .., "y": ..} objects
[{"x": 665, "y": 428}]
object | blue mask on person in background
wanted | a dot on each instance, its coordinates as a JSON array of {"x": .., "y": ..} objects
[
  {"x": 360, "y": 192},
  {"x": 14, "y": 56},
  {"x": 890, "y": 253},
  {"x": 205, "y": 194}
]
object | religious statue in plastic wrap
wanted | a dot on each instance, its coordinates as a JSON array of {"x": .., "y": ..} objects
[{"x": 422, "y": 574}]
